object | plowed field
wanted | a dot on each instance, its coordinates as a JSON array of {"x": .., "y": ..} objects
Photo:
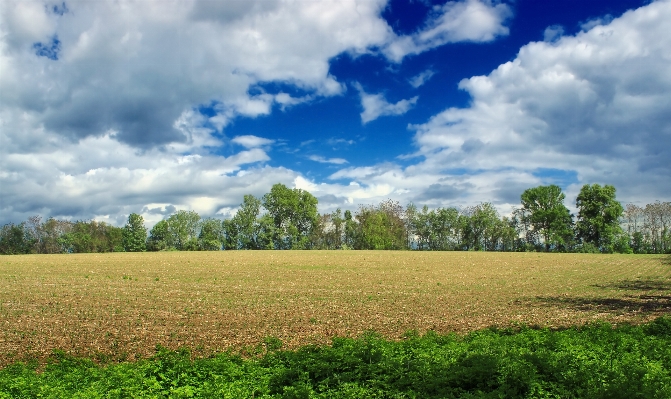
[{"x": 121, "y": 305}]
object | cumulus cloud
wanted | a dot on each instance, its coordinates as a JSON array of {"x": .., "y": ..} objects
[
  {"x": 455, "y": 21},
  {"x": 595, "y": 104},
  {"x": 136, "y": 67},
  {"x": 375, "y": 106},
  {"x": 100, "y": 100},
  {"x": 589, "y": 108},
  {"x": 100, "y": 177}
]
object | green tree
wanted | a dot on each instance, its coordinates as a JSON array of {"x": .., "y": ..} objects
[
  {"x": 15, "y": 239},
  {"x": 134, "y": 234},
  {"x": 211, "y": 235},
  {"x": 598, "y": 218},
  {"x": 160, "y": 238},
  {"x": 436, "y": 229},
  {"x": 48, "y": 234},
  {"x": 350, "y": 231},
  {"x": 247, "y": 220},
  {"x": 183, "y": 227},
  {"x": 294, "y": 213},
  {"x": 381, "y": 227},
  {"x": 478, "y": 224},
  {"x": 548, "y": 215},
  {"x": 248, "y": 229}
]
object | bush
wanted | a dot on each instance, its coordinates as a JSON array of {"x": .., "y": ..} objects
[{"x": 593, "y": 361}]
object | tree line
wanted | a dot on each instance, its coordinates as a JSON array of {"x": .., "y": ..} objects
[{"x": 288, "y": 219}]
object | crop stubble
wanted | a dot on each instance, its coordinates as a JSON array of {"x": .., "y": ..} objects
[{"x": 121, "y": 305}]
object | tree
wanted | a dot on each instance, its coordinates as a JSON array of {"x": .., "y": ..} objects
[
  {"x": 243, "y": 228},
  {"x": 328, "y": 233},
  {"x": 528, "y": 239},
  {"x": 657, "y": 223},
  {"x": 183, "y": 227},
  {"x": 248, "y": 229},
  {"x": 159, "y": 237},
  {"x": 294, "y": 213},
  {"x": 15, "y": 239},
  {"x": 435, "y": 230},
  {"x": 134, "y": 234},
  {"x": 48, "y": 235},
  {"x": 548, "y": 215},
  {"x": 478, "y": 225},
  {"x": 350, "y": 231},
  {"x": 381, "y": 227},
  {"x": 211, "y": 235},
  {"x": 598, "y": 217}
]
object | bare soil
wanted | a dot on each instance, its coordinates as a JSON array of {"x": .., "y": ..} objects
[{"x": 119, "y": 306}]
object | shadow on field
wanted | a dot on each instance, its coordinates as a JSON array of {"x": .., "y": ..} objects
[
  {"x": 667, "y": 260},
  {"x": 639, "y": 285},
  {"x": 644, "y": 296},
  {"x": 636, "y": 304}
]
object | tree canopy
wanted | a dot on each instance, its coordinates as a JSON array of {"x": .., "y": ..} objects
[
  {"x": 598, "y": 217},
  {"x": 548, "y": 215},
  {"x": 287, "y": 218}
]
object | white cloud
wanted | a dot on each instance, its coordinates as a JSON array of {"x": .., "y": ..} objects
[
  {"x": 418, "y": 80},
  {"x": 110, "y": 125},
  {"x": 136, "y": 67},
  {"x": 375, "y": 106},
  {"x": 593, "y": 106},
  {"x": 320, "y": 159},
  {"x": 100, "y": 176},
  {"x": 249, "y": 141},
  {"x": 455, "y": 21}
]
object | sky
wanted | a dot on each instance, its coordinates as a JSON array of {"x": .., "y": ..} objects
[{"x": 111, "y": 107}]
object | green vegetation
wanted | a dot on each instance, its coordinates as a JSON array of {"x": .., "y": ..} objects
[
  {"x": 594, "y": 361},
  {"x": 288, "y": 219},
  {"x": 135, "y": 234}
]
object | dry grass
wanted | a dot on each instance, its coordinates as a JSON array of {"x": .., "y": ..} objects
[{"x": 113, "y": 306}]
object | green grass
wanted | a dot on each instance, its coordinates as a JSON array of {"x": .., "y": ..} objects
[{"x": 593, "y": 361}]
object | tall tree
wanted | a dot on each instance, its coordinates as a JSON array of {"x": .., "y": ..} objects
[
  {"x": 478, "y": 225},
  {"x": 248, "y": 229},
  {"x": 294, "y": 212},
  {"x": 184, "y": 227},
  {"x": 350, "y": 231},
  {"x": 160, "y": 238},
  {"x": 548, "y": 215},
  {"x": 598, "y": 217},
  {"x": 135, "y": 234},
  {"x": 211, "y": 235}
]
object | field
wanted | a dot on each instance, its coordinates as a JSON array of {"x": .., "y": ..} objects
[{"x": 119, "y": 306}]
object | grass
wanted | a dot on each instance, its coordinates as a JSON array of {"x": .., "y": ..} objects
[{"x": 119, "y": 306}]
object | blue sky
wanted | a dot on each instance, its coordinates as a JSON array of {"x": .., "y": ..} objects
[{"x": 113, "y": 107}]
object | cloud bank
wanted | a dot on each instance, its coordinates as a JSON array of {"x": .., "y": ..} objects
[{"x": 589, "y": 108}]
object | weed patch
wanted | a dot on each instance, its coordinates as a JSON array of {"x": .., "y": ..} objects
[{"x": 592, "y": 361}]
